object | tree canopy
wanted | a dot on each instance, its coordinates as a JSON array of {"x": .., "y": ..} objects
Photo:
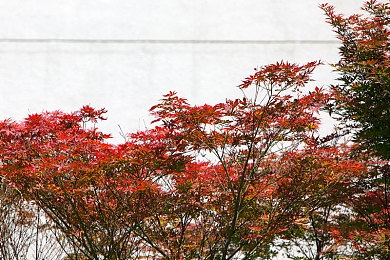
[{"x": 240, "y": 179}]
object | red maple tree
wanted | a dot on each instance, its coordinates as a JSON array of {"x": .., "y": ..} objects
[{"x": 222, "y": 181}]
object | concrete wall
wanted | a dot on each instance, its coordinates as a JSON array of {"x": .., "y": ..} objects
[{"x": 124, "y": 54}]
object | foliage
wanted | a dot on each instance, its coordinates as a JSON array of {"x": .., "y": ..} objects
[
  {"x": 233, "y": 180},
  {"x": 248, "y": 150},
  {"x": 207, "y": 182},
  {"x": 57, "y": 163},
  {"x": 362, "y": 100}
]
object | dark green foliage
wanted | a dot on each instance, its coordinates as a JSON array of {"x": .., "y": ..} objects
[{"x": 362, "y": 100}]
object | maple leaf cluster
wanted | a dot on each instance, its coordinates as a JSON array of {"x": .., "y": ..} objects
[{"x": 233, "y": 180}]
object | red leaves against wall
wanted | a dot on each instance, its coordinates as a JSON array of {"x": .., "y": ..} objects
[{"x": 207, "y": 182}]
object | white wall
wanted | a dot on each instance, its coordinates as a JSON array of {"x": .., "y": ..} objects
[{"x": 124, "y": 54}]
